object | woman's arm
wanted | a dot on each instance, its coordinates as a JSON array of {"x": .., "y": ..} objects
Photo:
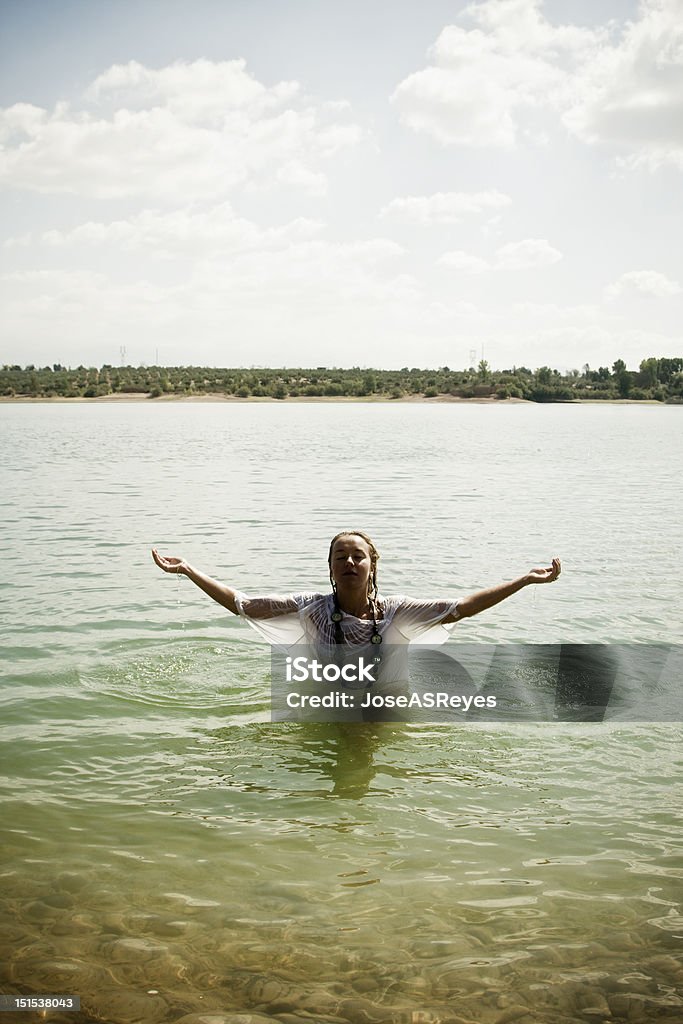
[
  {"x": 218, "y": 591},
  {"x": 484, "y": 599},
  {"x": 252, "y": 607}
]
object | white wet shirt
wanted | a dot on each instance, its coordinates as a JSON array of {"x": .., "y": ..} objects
[{"x": 286, "y": 620}]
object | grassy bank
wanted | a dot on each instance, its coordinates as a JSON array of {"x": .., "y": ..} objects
[{"x": 658, "y": 380}]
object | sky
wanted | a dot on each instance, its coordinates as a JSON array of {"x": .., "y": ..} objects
[{"x": 309, "y": 183}]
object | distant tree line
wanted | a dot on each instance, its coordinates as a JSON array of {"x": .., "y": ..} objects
[{"x": 659, "y": 379}]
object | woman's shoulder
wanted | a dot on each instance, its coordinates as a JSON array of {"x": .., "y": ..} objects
[
  {"x": 390, "y": 604},
  {"x": 411, "y": 606},
  {"x": 310, "y": 599}
]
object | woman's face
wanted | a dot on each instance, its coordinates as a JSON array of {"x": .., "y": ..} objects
[{"x": 351, "y": 564}]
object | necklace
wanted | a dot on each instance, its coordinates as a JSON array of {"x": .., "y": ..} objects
[{"x": 337, "y": 617}]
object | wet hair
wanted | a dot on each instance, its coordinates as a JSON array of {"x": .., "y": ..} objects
[{"x": 374, "y": 559}]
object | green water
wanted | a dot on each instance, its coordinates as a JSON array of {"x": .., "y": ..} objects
[{"x": 168, "y": 853}]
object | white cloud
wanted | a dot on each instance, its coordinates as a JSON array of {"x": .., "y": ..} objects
[
  {"x": 459, "y": 260},
  {"x": 483, "y": 85},
  {"x": 314, "y": 302},
  {"x": 520, "y": 25},
  {"x": 631, "y": 94},
  {"x": 443, "y": 207},
  {"x": 182, "y": 233},
  {"x": 63, "y": 306},
  {"x": 20, "y": 121},
  {"x": 455, "y": 107},
  {"x": 235, "y": 309},
  {"x": 524, "y": 255},
  {"x": 297, "y": 174},
  {"x": 644, "y": 282},
  {"x": 531, "y": 252},
  {"x": 598, "y": 344},
  {"x": 552, "y": 312},
  {"x": 71, "y": 281},
  {"x": 188, "y": 131},
  {"x": 200, "y": 92},
  {"x": 480, "y": 82}
]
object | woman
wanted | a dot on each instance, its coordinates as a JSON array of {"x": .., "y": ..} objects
[{"x": 354, "y": 613}]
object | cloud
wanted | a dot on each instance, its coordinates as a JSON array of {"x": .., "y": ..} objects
[
  {"x": 552, "y": 312},
  {"x": 200, "y": 92},
  {"x": 519, "y": 25},
  {"x": 643, "y": 282},
  {"x": 531, "y": 252},
  {"x": 524, "y": 255},
  {"x": 182, "y": 233},
  {"x": 481, "y": 82},
  {"x": 297, "y": 174},
  {"x": 343, "y": 304},
  {"x": 492, "y": 84},
  {"x": 233, "y": 309},
  {"x": 190, "y": 131},
  {"x": 443, "y": 207},
  {"x": 631, "y": 94},
  {"x": 459, "y": 260}
]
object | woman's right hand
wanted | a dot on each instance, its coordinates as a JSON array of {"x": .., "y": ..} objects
[{"x": 170, "y": 564}]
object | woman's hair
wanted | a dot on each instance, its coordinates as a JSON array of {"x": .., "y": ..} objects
[{"x": 374, "y": 559}]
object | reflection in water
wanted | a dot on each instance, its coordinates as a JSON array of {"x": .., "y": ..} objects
[
  {"x": 344, "y": 753},
  {"x": 341, "y": 752}
]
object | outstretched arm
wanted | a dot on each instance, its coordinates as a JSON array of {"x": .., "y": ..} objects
[
  {"x": 253, "y": 607},
  {"x": 218, "y": 591},
  {"x": 484, "y": 599}
]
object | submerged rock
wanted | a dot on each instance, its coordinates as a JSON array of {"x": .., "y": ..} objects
[
  {"x": 273, "y": 993},
  {"x": 125, "y": 1006},
  {"x": 666, "y": 965},
  {"x": 224, "y": 1018},
  {"x": 39, "y": 911},
  {"x": 362, "y": 1011},
  {"x": 54, "y": 975},
  {"x": 60, "y": 900},
  {"x": 168, "y": 929},
  {"x": 132, "y": 950},
  {"x": 69, "y": 881},
  {"x": 513, "y": 1013}
]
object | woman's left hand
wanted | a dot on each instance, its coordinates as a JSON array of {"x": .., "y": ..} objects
[{"x": 545, "y": 575}]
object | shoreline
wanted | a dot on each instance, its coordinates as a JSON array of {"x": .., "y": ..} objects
[
  {"x": 214, "y": 398},
  {"x": 217, "y": 397}
]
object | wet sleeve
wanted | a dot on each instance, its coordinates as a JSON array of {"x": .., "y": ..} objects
[
  {"x": 422, "y": 621},
  {"x": 275, "y": 617}
]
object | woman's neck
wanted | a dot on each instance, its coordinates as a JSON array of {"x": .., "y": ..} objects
[{"x": 357, "y": 605}]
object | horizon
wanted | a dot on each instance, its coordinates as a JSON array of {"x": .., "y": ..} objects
[
  {"x": 56, "y": 367},
  {"x": 51, "y": 363}
]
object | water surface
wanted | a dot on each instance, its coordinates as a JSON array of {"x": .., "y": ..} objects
[{"x": 168, "y": 851}]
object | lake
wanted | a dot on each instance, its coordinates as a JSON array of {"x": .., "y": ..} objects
[{"x": 170, "y": 854}]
